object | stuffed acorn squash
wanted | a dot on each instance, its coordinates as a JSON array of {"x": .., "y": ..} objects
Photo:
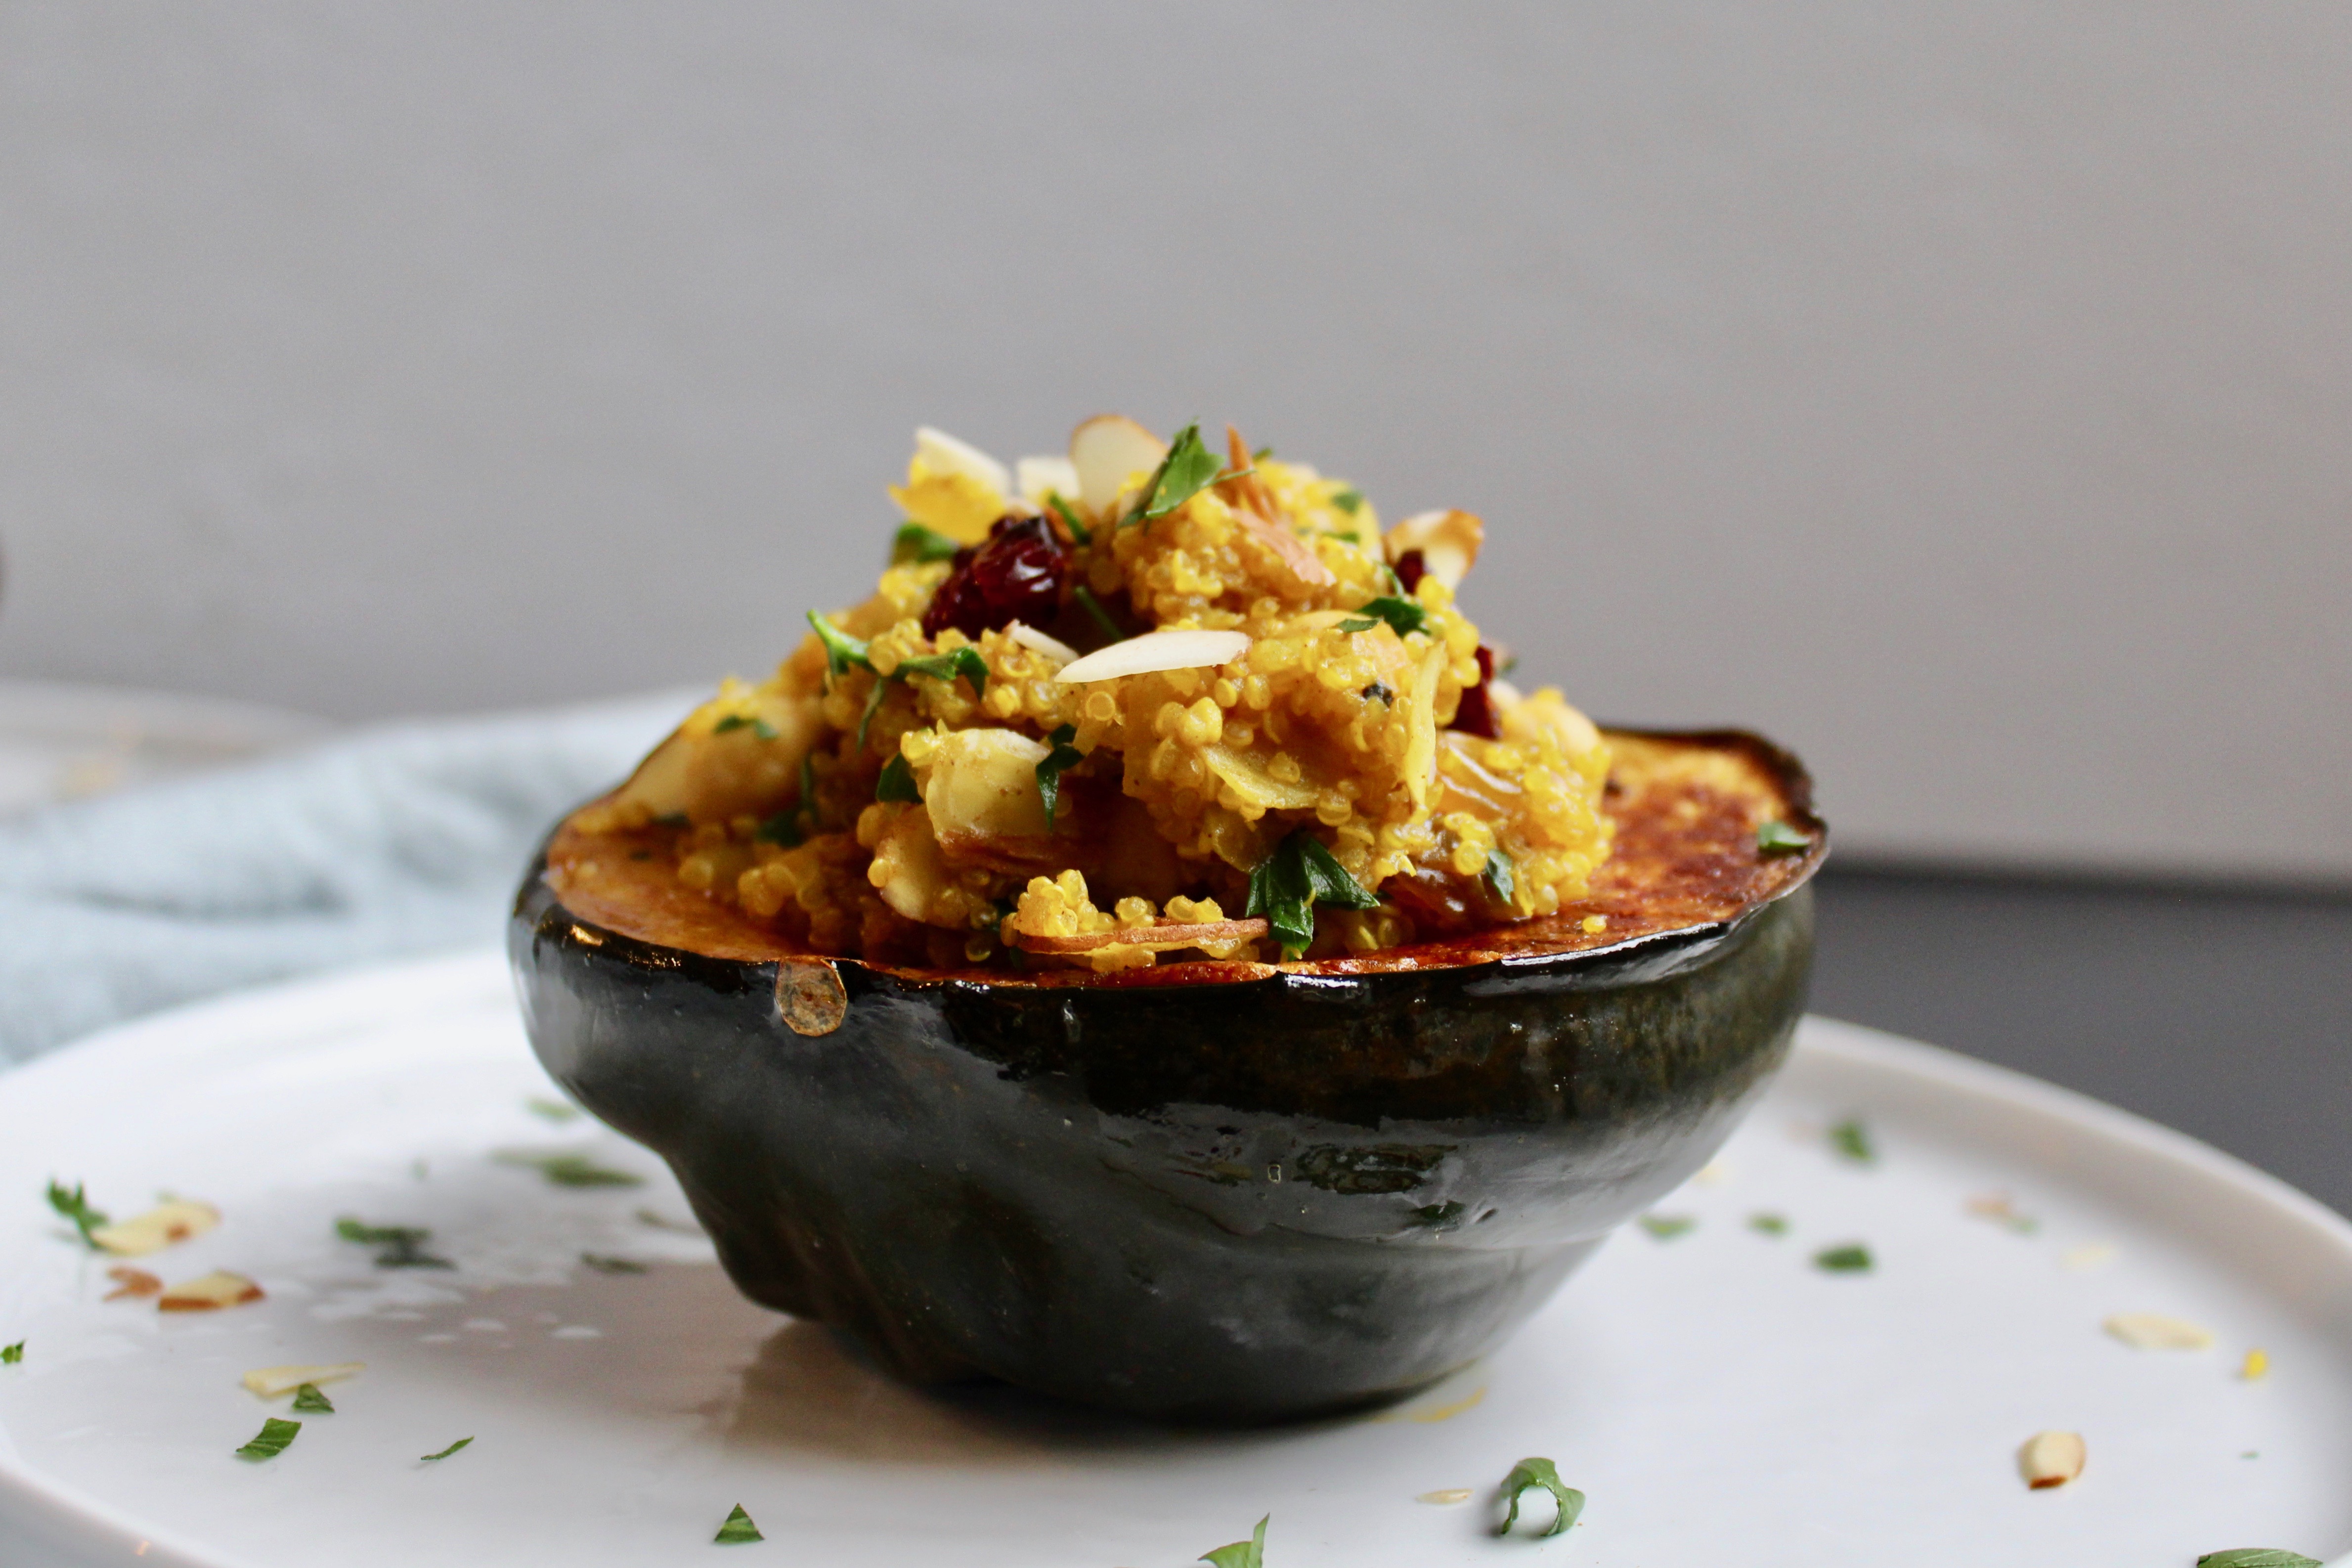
[{"x": 1148, "y": 954}]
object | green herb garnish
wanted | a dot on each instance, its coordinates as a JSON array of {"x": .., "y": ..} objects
[
  {"x": 738, "y": 1529},
  {"x": 1525, "y": 1477},
  {"x": 1768, "y": 1223},
  {"x": 428, "y": 1459},
  {"x": 402, "y": 1244},
  {"x": 784, "y": 828},
  {"x": 1250, "y": 1554},
  {"x": 964, "y": 661},
  {"x": 915, "y": 543},
  {"x": 1287, "y": 883},
  {"x": 552, "y": 1109},
  {"x": 11, "y": 1355},
  {"x": 1501, "y": 875},
  {"x": 271, "y": 1441},
  {"x": 1359, "y": 623},
  {"x": 569, "y": 1170},
  {"x": 1350, "y": 501},
  {"x": 1063, "y": 757},
  {"x": 1852, "y": 1258},
  {"x": 1403, "y": 615},
  {"x": 1376, "y": 692},
  {"x": 2256, "y": 1557},
  {"x": 897, "y": 783},
  {"x": 1777, "y": 838},
  {"x": 1097, "y": 613},
  {"x": 1188, "y": 468},
  {"x": 842, "y": 651},
  {"x": 309, "y": 1399},
  {"x": 76, "y": 1207},
  {"x": 758, "y": 726},
  {"x": 1851, "y": 1139},
  {"x": 1078, "y": 530},
  {"x": 602, "y": 1264},
  {"x": 1666, "y": 1226},
  {"x": 1261, "y": 455}
]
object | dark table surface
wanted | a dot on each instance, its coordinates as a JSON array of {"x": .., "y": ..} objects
[{"x": 2227, "y": 1014}]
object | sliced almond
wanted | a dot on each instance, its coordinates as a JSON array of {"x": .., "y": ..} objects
[
  {"x": 2050, "y": 1459},
  {"x": 1053, "y": 648},
  {"x": 158, "y": 1228},
  {"x": 1041, "y": 478},
  {"x": 1157, "y": 651},
  {"x": 1160, "y": 937},
  {"x": 130, "y": 1281},
  {"x": 269, "y": 1382},
  {"x": 209, "y": 1293},
  {"x": 1448, "y": 542},
  {"x": 1106, "y": 450},
  {"x": 2155, "y": 1331},
  {"x": 943, "y": 454},
  {"x": 1297, "y": 557}
]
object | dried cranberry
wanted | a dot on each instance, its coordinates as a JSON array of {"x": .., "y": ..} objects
[
  {"x": 1477, "y": 714},
  {"x": 1411, "y": 569},
  {"x": 1015, "y": 575}
]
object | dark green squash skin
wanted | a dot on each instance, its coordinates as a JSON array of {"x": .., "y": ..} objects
[{"x": 1073, "y": 1188}]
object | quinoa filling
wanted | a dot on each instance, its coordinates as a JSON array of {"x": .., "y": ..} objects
[{"x": 1151, "y": 700}]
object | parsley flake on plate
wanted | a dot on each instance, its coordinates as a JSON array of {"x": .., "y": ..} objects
[
  {"x": 308, "y": 1399},
  {"x": 428, "y": 1459},
  {"x": 11, "y": 1355},
  {"x": 1530, "y": 1475},
  {"x": 1063, "y": 757},
  {"x": 1853, "y": 1258},
  {"x": 604, "y": 1263},
  {"x": 75, "y": 1206},
  {"x": 737, "y": 1530},
  {"x": 1768, "y": 1223},
  {"x": 271, "y": 1441},
  {"x": 1851, "y": 1139},
  {"x": 1250, "y": 1554},
  {"x": 1666, "y": 1226},
  {"x": 1286, "y": 884},
  {"x": 403, "y": 1244},
  {"x": 554, "y": 1110},
  {"x": 569, "y": 1170}
]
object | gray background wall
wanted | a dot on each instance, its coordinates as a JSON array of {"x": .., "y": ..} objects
[{"x": 1960, "y": 394}]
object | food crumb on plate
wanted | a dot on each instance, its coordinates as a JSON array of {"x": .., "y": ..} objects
[
  {"x": 159, "y": 1228},
  {"x": 1446, "y": 1496},
  {"x": 209, "y": 1293},
  {"x": 2002, "y": 1209},
  {"x": 2155, "y": 1332},
  {"x": 130, "y": 1281},
  {"x": 2089, "y": 1255},
  {"x": 2256, "y": 1366},
  {"x": 269, "y": 1382},
  {"x": 2051, "y": 1459}
]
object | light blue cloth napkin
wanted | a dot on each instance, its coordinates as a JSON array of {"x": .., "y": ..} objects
[{"x": 392, "y": 840}]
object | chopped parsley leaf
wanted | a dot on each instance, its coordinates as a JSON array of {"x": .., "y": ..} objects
[
  {"x": 964, "y": 661},
  {"x": 1350, "y": 501},
  {"x": 1502, "y": 876},
  {"x": 428, "y": 1459},
  {"x": 1188, "y": 469},
  {"x": 1285, "y": 884},
  {"x": 271, "y": 1441},
  {"x": 1777, "y": 838},
  {"x": 897, "y": 783},
  {"x": 309, "y": 1399},
  {"x": 842, "y": 651},
  {"x": 402, "y": 1244},
  {"x": 914, "y": 543},
  {"x": 569, "y": 1170},
  {"x": 1376, "y": 692},
  {"x": 76, "y": 1207},
  {"x": 1062, "y": 509},
  {"x": 10, "y": 1355},
  {"x": 1359, "y": 623},
  {"x": 1097, "y": 613},
  {"x": 1666, "y": 1226},
  {"x": 1528, "y": 1475},
  {"x": 738, "y": 1529},
  {"x": 1403, "y": 615},
  {"x": 1250, "y": 1554},
  {"x": 1063, "y": 757},
  {"x": 1852, "y": 1258},
  {"x": 758, "y": 726},
  {"x": 1851, "y": 1139},
  {"x": 552, "y": 1109},
  {"x": 784, "y": 828},
  {"x": 2256, "y": 1557},
  {"x": 602, "y": 1264},
  {"x": 1768, "y": 1223},
  {"x": 1261, "y": 455}
]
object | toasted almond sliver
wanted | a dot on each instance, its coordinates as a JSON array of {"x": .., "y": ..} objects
[
  {"x": 2155, "y": 1331},
  {"x": 130, "y": 1281},
  {"x": 2089, "y": 1255},
  {"x": 2050, "y": 1459},
  {"x": 269, "y": 1382},
  {"x": 1154, "y": 936},
  {"x": 208, "y": 1293},
  {"x": 157, "y": 1229},
  {"x": 1029, "y": 636},
  {"x": 1191, "y": 649},
  {"x": 1451, "y": 1494}
]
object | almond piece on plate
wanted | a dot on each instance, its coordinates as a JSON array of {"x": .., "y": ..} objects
[
  {"x": 157, "y": 1229},
  {"x": 2155, "y": 1331},
  {"x": 209, "y": 1293},
  {"x": 272, "y": 1381},
  {"x": 130, "y": 1281},
  {"x": 2050, "y": 1459}
]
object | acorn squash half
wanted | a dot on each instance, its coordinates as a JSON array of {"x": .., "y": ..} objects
[{"x": 1207, "y": 1191}]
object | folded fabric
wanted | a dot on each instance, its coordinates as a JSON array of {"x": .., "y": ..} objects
[{"x": 398, "y": 839}]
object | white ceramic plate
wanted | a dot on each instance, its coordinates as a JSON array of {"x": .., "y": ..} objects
[{"x": 1720, "y": 1398}]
